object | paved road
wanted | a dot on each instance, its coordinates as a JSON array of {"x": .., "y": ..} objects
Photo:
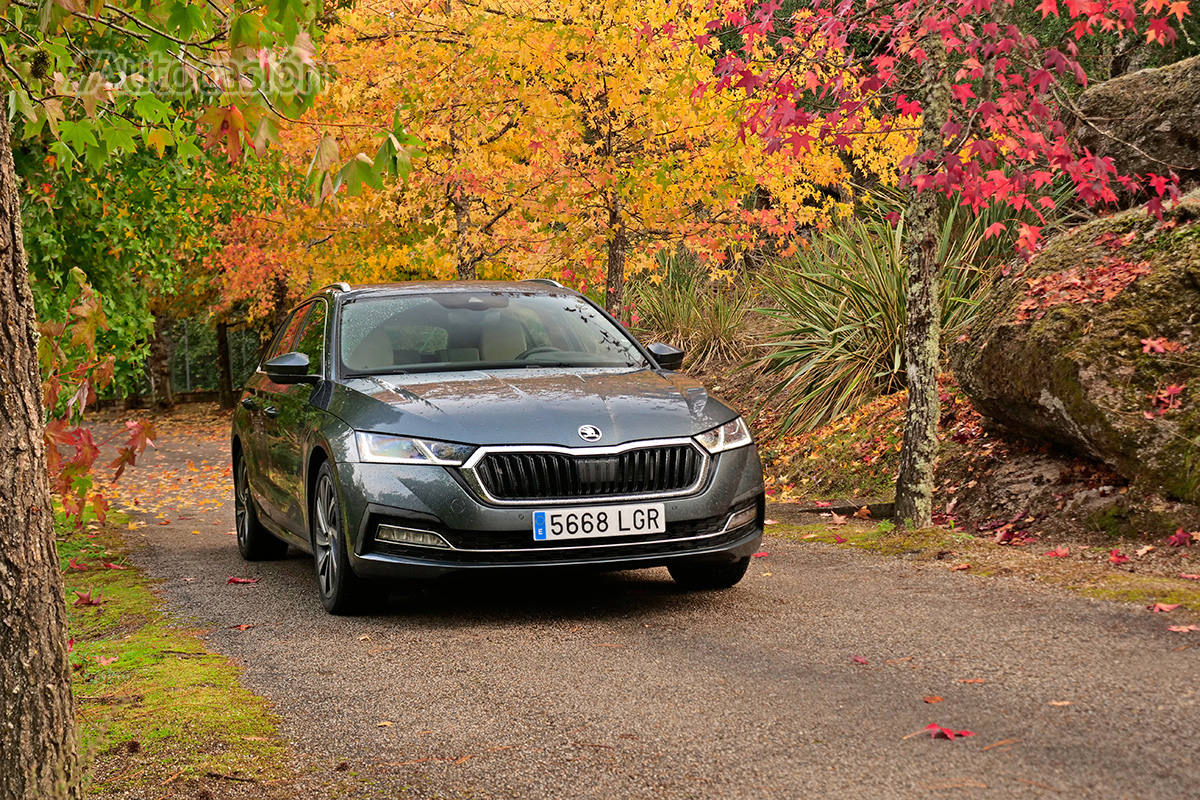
[{"x": 619, "y": 686}]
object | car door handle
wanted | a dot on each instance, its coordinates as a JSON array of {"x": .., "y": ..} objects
[
  {"x": 271, "y": 411},
  {"x": 249, "y": 404}
]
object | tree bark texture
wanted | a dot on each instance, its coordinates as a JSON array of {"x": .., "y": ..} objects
[
  {"x": 159, "y": 363},
  {"x": 224, "y": 369},
  {"x": 37, "y": 730},
  {"x": 922, "y": 336},
  {"x": 618, "y": 246}
]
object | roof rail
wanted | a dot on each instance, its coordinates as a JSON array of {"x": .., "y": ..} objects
[
  {"x": 341, "y": 286},
  {"x": 546, "y": 281}
]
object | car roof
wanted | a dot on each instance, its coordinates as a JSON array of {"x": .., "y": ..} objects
[{"x": 345, "y": 291}]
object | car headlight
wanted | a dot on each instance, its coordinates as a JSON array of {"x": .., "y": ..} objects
[
  {"x": 382, "y": 448},
  {"x": 727, "y": 437}
]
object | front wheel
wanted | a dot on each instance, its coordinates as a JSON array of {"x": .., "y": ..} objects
[
  {"x": 706, "y": 575},
  {"x": 340, "y": 588},
  {"x": 254, "y": 542}
]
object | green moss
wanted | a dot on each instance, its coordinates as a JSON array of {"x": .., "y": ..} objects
[
  {"x": 184, "y": 706},
  {"x": 1090, "y": 578}
]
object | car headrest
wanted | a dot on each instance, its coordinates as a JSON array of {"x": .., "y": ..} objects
[{"x": 501, "y": 339}]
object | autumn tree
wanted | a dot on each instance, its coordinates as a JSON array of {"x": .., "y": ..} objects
[
  {"x": 556, "y": 138},
  {"x": 94, "y": 82},
  {"x": 987, "y": 98}
]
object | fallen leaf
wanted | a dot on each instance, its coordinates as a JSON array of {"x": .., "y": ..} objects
[
  {"x": 1115, "y": 557},
  {"x": 1183, "y": 628},
  {"x": 938, "y": 732},
  {"x": 837, "y": 519},
  {"x": 761, "y": 554},
  {"x": 1058, "y": 552},
  {"x": 73, "y": 564},
  {"x": 863, "y": 513},
  {"x": 366, "y": 637},
  {"x": 1180, "y": 538},
  {"x": 1189, "y": 576},
  {"x": 960, "y": 567},
  {"x": 1163, "y": 608},
  {"x": 104, "y": 661},
  {"x": 242, "y": 580},
  {"x": 839, "y": 539},
  {"x": 70, "y": 644},
  {"x": 822, "y": 503},
  {"x": 933, "y": 698},
  {"x": 972, "y": 680},
  {"x": 859, "y": 660},
  {"x": 1143, "y": 550},
  {"x": 243, "y": 627},
  {"x": 1001, "y": 743},
  {"x": 766, "y": 574},
  {"x": 110, "y": 565},
  {"x": 1060, "y": 703},
  {"x": 769, "y": 521},
  {"x": 86, "y": 599},
  {"x": 384, "y": 724}
]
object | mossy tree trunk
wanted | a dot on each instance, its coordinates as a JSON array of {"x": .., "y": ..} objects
[
  {"x": 37, "y": 727},
  {"x": 922, "y": 336}
]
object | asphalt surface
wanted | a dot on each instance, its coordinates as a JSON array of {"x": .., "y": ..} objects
[{"x": 621, "y": 686}]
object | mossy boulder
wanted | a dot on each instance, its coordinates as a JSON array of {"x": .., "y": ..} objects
[
  {"x": 1147, "y": 121},
  {"x": 1095, "y": 346}
]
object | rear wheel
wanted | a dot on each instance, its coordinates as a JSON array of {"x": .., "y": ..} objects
[
  {"x": 254, "y": 542},
  {"x": 706, "y": 575},
  {"x": 341, "y": 590}
]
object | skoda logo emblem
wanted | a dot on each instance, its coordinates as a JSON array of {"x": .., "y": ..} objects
[{"x": 590, "y": 433}]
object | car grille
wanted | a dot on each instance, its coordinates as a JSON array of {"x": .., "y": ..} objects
[{"x": 647, "y": 471}]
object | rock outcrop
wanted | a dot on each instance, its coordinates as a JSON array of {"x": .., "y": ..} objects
[
  {"x": 1095, "y": 346},
  {"x": 1147, "y": 121}
]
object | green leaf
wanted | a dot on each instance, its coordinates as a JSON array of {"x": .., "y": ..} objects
[{"x": 159, "y": 139}]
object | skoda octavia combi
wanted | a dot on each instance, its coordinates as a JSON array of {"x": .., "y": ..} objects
[{"x": 416, "y": 430}]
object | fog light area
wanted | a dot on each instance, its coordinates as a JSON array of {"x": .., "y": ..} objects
[
  {"x": 740, "y": 518},
  {"x": 398, "y": 535}
]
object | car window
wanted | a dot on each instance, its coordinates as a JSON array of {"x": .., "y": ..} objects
[
  {"x": 311, "y": 340},
  {"x": 473, "y": 328},
  {"x": 287, "y": 334}
]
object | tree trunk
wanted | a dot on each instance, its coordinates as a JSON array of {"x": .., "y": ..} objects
[
  {"x": 159, "y": 363},
  {"x": 922, "y": 336},
  {"x": 618, "y": 245},
  {"x": 464, "y": 254},
  {"x": 224, "y": 370},
  {"x": 37, "y": 730}
]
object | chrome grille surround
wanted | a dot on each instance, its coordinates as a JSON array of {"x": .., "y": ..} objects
[{"x": 475, "y": 476}]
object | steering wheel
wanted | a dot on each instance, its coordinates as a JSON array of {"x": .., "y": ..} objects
[{"x": 534, "y": 351}]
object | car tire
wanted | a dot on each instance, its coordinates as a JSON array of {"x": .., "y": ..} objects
[
  {"x": 254, "y": 542},
  {"x": 708, "y": 575},
  {"x": 341, "y": 590}
]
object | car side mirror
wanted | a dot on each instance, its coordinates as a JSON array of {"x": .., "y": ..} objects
[
  {"x": 290, "y": 368},
  {"x": 668, "y": 357}
]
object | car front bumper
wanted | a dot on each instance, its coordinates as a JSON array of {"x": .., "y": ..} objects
[{"x": 484, "y": 536}]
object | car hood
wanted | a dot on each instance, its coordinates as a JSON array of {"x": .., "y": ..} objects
[{"x": 543, "y": 406}]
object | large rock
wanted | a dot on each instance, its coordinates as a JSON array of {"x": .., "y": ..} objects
[
  {"x": 1059, "y": 352},
  {"x": 1147, "y": 120}
]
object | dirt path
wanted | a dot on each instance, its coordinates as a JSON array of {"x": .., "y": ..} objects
[{"x": 619, "y": 686}]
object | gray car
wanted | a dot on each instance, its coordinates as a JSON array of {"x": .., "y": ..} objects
[{"x": 421, "y": 429}]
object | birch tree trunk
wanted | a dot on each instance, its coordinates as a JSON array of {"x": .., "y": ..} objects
[
  {"x": 922, "y": 337},
  {"x": 37, "y": 730}
]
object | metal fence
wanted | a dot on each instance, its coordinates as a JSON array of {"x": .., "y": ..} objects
[{"x": 194, "y": 358}]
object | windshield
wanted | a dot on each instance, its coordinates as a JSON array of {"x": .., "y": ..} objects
[{"x": 445, "y": 331}]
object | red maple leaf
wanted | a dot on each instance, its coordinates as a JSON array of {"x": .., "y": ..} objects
[
  {"x": 1189, "y": 576},
  {"x": 73, "y": 564},
  {"x": 761, "y": 554},
  {"x": 938, "y": 732},
  {"x": 1163, "y": 608},
  {"x": 242, "y": 580},
  {"x": 1058, "y": 552},
  {"x": 1180, "y": 538},
  {"x": 859, "y": 660},
  {"x": 1115, "y": 557},
  {"x": 86, "y": 599}
]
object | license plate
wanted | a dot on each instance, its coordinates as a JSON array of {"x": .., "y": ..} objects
[{"x": 591, "y": 522}]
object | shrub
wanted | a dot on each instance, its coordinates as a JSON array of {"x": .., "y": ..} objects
[
  {"x": 688, "y": 307},
  {"x": 840, "y": 306}
]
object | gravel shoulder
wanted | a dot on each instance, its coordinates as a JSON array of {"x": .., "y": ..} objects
[{"x": 621, "y": 686}]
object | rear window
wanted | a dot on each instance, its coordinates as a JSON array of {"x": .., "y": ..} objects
[{"x": 445, "y": 331}]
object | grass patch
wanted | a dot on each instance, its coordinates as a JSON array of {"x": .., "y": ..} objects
[
  {"x": 1086, "y": 572},
  {"x": 163, "y": 707}
]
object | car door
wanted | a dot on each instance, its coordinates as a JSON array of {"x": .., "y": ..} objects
[
  {"x": 266, "y": 410},
  {"x": 295, "y": 418}
]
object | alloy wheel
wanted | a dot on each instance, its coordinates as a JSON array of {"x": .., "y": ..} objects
[{"x": 325, "y": 535}]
